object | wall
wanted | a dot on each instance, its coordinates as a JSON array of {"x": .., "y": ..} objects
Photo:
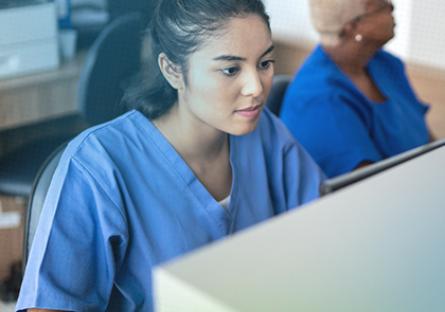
[
  {"x": 418, "y": 32},
  {"x": 427, "y": 31}
]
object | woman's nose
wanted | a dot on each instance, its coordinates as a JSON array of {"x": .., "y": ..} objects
[{"x": 253, "y": 85}]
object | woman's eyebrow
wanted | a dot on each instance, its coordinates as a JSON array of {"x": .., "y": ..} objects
[
  {"x": 239, "y": 58},
  {"x": 229, "y": 58},
  {"x": 270, "y": 49}
]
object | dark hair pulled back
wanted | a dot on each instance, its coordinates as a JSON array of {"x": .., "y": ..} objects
[{"x": 178, "y": 28}]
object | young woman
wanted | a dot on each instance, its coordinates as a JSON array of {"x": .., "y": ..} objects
[
  {"x": 351, "y": 103},
  {"x": 199, "y": 159}
]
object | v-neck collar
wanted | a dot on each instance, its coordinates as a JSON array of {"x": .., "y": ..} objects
[{"x": 223, "y": 217}]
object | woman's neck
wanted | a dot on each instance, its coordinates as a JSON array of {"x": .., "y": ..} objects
[
  {"x": 351, "y": 57},
  {"x": 196, "y": 141},
  {"x": 204, "y": 149}
]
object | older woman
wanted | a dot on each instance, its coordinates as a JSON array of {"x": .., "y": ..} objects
[{"x": 351, "y": 103}]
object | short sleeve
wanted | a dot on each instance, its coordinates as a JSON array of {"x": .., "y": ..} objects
[
  {"x": 332, "y": 132},
  {"x": 78, "y": 245}
]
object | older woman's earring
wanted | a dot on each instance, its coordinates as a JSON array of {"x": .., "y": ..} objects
[{"x": 358, "y": 38}]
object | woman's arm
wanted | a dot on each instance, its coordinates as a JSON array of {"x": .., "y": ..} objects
[{"x": 69, "y": 226}]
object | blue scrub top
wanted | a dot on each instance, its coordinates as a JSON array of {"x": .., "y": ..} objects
[
  {"x": 123, "y": 200},
  {"x": 339, "y": 126}
]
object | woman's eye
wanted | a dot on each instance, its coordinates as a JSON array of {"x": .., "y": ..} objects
[
  {"x": 230, "y": 71},
  {"x": 266, "y": 64}
]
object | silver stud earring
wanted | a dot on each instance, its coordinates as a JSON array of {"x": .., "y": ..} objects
[{"x": 358, "y": 38}]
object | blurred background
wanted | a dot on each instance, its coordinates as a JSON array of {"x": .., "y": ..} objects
[
  {"x": 52, "y": 55},
  {"x": 418, "y": 41}
]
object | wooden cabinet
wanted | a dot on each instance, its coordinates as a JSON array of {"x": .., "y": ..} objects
[
  {"x": 36, "y": 97},
  {"x": 11, "y": 232}
]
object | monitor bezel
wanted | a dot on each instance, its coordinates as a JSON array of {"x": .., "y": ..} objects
[{"x": 342, "y": 181}]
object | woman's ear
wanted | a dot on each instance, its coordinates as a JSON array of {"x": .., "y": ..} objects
[
  {"x": 349, "y": 29},
  {"x": 171, "y": 72}
]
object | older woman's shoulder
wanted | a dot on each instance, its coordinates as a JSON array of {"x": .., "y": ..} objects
[{"x": 389, "y": 59}]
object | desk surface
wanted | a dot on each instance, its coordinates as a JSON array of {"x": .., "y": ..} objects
[
  {"x": 39, "y": 96},
  {"x": 378, "y": 245}
]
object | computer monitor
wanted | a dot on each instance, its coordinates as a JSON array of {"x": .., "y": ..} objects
[
  {"x": 6, "y": 4},
  {"x": 334, "y": 184},
  {"x": 377, "y": 245}
]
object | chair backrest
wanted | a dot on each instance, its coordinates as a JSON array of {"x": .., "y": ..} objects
[
  {"x": 276, "y": 96},
  {"x": 112, "y": 60},
  {"x": 117, "y": 8},
  {"x": 37, "y": 197}
]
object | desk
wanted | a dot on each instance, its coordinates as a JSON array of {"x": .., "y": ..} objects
[
  {"x": 378, "y": 245},
  {"x": 40, "y": 96}
]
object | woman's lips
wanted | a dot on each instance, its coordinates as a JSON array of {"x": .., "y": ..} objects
[{"x": 249, "y": 112}]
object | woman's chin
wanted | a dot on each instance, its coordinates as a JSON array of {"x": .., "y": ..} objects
[{"x": 243, "y": 129}]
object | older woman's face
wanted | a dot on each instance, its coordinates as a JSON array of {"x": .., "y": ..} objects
[
  {"x": 376, "y": 7},
  {"x": 377, "y": 23}
]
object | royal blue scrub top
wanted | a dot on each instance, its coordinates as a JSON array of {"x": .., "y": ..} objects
[
  {"x": 123, "y": 200},
  {"x": 339, "y": 126}
]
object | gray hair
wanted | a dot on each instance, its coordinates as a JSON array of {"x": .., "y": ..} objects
[{"x": 330, "y": 16}]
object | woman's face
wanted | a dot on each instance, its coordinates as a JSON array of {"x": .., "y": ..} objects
[
  {"x": 229, "y": 77},
  {"x": 377, "y": 23}
]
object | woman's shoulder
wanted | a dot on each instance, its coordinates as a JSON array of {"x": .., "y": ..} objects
[
  {"x": 387, "y": 59},
  {"x": 317, "y": 56},
  {"x": 309, "y": 106},
  {"x": 272, "y": 131},
  {"x": 108, "y": 135},
  {"x": 317, "y": 59},
  {"x": 269, "y": 122},
  {"x": 317, "y": 75},
  {"x": 103, "y": 148},
  {"x": 273, "y": 142},
  {"x": 282, "y": 148}
]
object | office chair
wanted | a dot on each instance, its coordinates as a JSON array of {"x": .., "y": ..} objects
[
  {"x": 113, "y": 58},
  {"x": 117, "y": 8},
  {"x": 111, "y": 62},
  {"x": 19, "y": 166},
  {"x": 38, "y": 193},
  {"x": 276, "y": 95}
]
